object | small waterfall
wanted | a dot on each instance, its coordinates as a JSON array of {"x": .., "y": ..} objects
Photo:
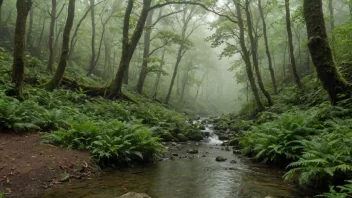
[{"x": 208, "y": 132}]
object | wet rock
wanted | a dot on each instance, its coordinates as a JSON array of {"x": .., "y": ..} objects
[
  {"x": 223, "y": 137},
  {"x": 195, "y": 136},
  {"x": 167, "y": 137},
  {"x": 174, "y": 144},
  {"x": 181, "y": 137},
  {"x": 233, "y": 162},
  {"x": 227, "y": 149},
  {"x": 236, "y": 152},
  {"x": 134, "y": 195},
  {"x": 220, "y": 159},
  {"x": 203, "y": 155},
  {"x": 233, "y": 142},
  {"x": 225, "y": 143},
  {"x": 192, "y": 151},
  {"x": 174, "y": 154},
  {"x": 206, "y": 133},
  {"x": 202, "y": 127}
]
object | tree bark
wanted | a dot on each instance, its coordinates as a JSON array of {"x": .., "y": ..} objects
[
  {"x": 332, "y": 19},
  {"x": 178, "y": 60},
  {"x": 246, "y": 57},
  {"x": 254, "y": 50},
  {"x": 19, "y": 58},
  {"x": 270, "y": 64},
  {"x": 128, "y": 47},
  {"x": 156, "y": 85},
  {"x": 1, "y": 1},
  {"x": 30, "y": 28},
  {"x": 51, "y": 36},
  {"x": 55, "y": 81},
  {"x": 290, "y": 43},
  {"x": 147, "y": 33},
  {"x": 92, "y": 57},
  {"x": 321, "y": 53}
]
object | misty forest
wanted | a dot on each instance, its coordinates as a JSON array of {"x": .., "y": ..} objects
[{"x": 176, "y": 98}]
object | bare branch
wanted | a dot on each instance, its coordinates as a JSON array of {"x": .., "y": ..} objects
[{"x": 193, "y": 3}]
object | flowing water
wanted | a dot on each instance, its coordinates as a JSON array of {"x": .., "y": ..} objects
[{"x": 186, "y": 176}]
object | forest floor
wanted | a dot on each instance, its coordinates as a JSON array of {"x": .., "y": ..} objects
[{"x": 27, "y": 166}]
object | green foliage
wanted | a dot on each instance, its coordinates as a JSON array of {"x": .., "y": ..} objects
[
  {"x": 2, "y": 194},
  {"x": 326, "y": 155},
  {"x": 279, "y": 139},
  {"x": 110, "y": 142},
  {"x": 340, "y": 191}
]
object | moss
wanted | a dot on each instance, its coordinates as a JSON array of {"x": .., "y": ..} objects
[
  {"x": 181, "y": 137},
  {"x": 167, "y": 137},
  {"x": 195, "y": 136}
]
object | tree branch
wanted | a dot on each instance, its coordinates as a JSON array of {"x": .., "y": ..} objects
[
  {"x": 166, "y": 15},
  {"x": 193, "y": 3}
]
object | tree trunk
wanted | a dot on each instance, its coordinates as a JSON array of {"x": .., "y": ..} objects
[
  {"x": 51, "y": 36},
  {"x": 126, "y": 76},
  {"x": 290, "y": 43},
  {"x": 30, "y": 28},
  {"x": 332, "y": 20},
  {"x": 271, "y": 69},
  {"x": 246, "y": 57},
  {"x": 321, "y": 53},
  {"x": 92, "y": 58},
  {"x": 156, "y": 85},
  {"x": 55, "y": 81},
  {"x": 1, "y": 1},
  {"x": 143, "y": 73},
  {"x": 178, "y": 60},
  {"x": 19, "y": 58},
  {"x": 128, "y": 48},
  {"x": 255, "y": 54}
]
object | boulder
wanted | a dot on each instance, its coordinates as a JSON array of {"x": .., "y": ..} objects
[
  {"x": 233, "y": 142},
  {"x": 220, "y": 159},
  {"x": 233, "y": 162},
  {"x": 223, "y": 137},
  {"x": 192, "y": 151},
  {"x": 134, "y": 195},
  {"x": 195, "y": 136},
  {"x": 167, "y": 137},
  {"x": 181, "y": 137}
]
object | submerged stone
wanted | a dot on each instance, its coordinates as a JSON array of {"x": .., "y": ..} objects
[{"x": 134, "y": 195}]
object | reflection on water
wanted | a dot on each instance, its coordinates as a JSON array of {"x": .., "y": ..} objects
[{"x": 186, "y": 177}]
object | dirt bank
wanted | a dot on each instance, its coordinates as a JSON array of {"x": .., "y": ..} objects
[{"x": 28, "y": 167}]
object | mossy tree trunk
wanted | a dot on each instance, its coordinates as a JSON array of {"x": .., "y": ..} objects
[
  {"x": 290, "y": 44},
  {"x": 270, "y": 64},
  {"x": 55, "y": 81},
  {"x": 51, "y": 36},
  {"x": 254, "y": 51},
  {"x": 147, "y": 33},
  {"x": 1, "y": 1},
  {"x": 321, "y": 53},
  {"x": 128, "y": 46},
  {"x": 246, "y": 56},
  {"x": 19, "y": 58},
  {"x": 92, "y": 57}
]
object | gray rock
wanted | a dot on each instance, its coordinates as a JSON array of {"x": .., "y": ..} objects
[
  {"x": 192, "y": 151},
  {"x": 134, "y": 195},
  {"x": 233, "y": 162},
  {"x": 236, "y": 152},
  {"x": 220, "y": 159}
]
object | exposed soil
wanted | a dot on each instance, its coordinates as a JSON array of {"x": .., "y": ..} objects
[{"x": 28, "y": 167}]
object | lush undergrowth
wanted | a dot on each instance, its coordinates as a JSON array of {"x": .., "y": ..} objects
[
  {"x": 303, "y": 132},
  {"x": 115, "y": 132}
]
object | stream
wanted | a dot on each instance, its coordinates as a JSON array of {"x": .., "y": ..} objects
[{"x": 185, "y": 175}]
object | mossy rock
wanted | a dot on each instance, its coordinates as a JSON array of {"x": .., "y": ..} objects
[
  {"x": 240, "y": 125},
  {"x": 167, "y": 137},
  {"x": 233, "y": 142},
  {"x": 181, "y": 137},
  {"x": 195, "y": 136}
]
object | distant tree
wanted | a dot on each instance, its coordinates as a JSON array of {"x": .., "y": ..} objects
[
  {"x": 55, "y": 81},
  {"x": 290, "y": 44}
]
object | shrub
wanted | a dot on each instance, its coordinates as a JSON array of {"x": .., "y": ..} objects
[{"x": 111, "y": 142}]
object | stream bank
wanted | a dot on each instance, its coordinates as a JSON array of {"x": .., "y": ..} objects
[{"x": 192, "y": 169}]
